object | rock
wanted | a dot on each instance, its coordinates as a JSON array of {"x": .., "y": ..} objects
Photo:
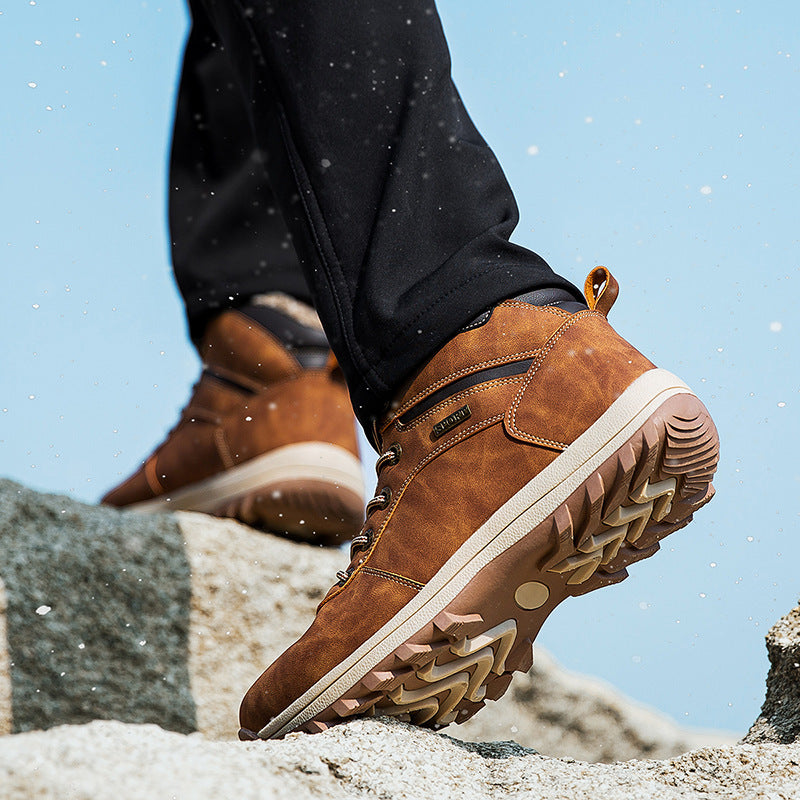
[
  {"x": 779, "y": 720},
  {"x": 169, "y": 619},
  {"x": 365, "y": 758},
  {"x": 97, "y": 614}
]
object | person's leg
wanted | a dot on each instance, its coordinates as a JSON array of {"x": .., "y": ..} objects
[
  {"x": 399, "y": 210},
  {"x": 229, "y": 240},
  {"x": 529, "y": 452}
]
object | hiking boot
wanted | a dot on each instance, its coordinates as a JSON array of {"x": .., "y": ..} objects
[
  {"x": 535, "y": 457},
  {"x": 268, "y": 436}
]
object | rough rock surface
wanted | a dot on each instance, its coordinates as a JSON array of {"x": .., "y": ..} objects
[
  {"x": 97, "y": 614},
  {"x": 169, "y": 619},
  {"x": 779, "y": 720},
  {"x": 366, "y": 758}
]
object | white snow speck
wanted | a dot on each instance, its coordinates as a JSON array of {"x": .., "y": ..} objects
[
  {"x": 32, "y": 84},
  {"x": 325, "y": 163},
  {"x": 776, "y": 327},
  {"x": 533, "y": 150},
  {"x": 42, "y": 610},
  {"x": 706, "y": 190},
  {"x": 781, "y": 405}
]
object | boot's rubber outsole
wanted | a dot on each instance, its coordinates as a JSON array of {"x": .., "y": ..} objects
[
  {"x": 312, "y": 491},
  {"x": 632, "y": 478}
]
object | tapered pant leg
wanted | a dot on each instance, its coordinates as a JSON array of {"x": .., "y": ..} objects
[
  {"x": 229, "y": 240},
  {"x": 398, "y": 209}
]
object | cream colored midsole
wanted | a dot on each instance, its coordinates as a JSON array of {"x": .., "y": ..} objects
[
  {"x": 513, "y": 520},
  {"x": 309, "y": 461}
]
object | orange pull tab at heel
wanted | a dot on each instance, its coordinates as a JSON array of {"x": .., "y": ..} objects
[{"x": 601, "y": 290}]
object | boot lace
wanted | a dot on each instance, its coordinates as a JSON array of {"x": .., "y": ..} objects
[{"x": 363, "y": 541}]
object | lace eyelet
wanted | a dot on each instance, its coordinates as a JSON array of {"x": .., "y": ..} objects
[
  {"x": 380, "y": 501},
  {"x": 389, "y": 458},
  {"x": 363, "y": 541},
  {"x": 369, "y": 537},
  {"x": 343, "y": 576}
]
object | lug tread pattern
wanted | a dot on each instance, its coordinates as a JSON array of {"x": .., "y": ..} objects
[{"x": 661, "y": 476}]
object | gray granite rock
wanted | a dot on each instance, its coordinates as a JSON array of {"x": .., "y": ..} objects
[
  {"x": 779, "y": 720},
  {"x": 97, "y": 613},
  {"x": 365, "y": 759}
]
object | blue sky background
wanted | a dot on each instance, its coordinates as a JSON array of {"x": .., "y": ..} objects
[{"x": 659, "y": 139}]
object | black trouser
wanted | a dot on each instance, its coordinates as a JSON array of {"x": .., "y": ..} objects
[{"x": 398, "y": 212}]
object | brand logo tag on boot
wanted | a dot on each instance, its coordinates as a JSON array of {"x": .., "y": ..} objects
[{"x": 450, "y": 422}]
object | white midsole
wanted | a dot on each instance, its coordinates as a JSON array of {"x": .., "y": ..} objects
[
  {"x": 513, "y": 520},
  {"x": 307, "y": 461}
]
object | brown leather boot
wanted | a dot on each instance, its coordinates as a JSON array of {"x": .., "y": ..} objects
[
  {"x": 533, "y": 458},
  {"x": 263, "y": 439}
]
